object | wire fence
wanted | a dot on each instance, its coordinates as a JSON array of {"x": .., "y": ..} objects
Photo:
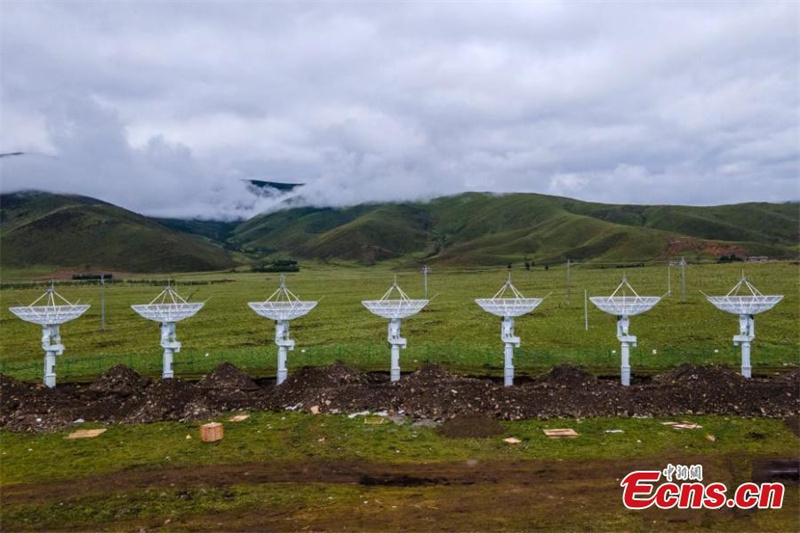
[{"x": 462, "y": 358}]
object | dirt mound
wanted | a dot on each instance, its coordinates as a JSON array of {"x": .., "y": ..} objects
[
  {"x": 322, "y": 388},
  {"x": 334, "y": 375},
  {"x": 431, "y": 392},
  {"x": 689, "y": 375},
  {"x": 226, "y": 376},
  {"x": 168, "y": 399},
  {"x": 120, "y": 381},
  {"x": 567, "y": 375},
  {"x": 29, "y": 407},
  {"x": 793, "y": 376},
  {"x": 474, "y": 425},
  {"x": 13, "y": 394},
  {"x": 429, "y": 374}
]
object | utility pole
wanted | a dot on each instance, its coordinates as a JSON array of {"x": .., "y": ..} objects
[
  {"x": 586, "y": 309},
  {"x": 683, "y": 279},
  {"x": 102, "y": 302},
  {"x": 425, "y": 271},
  {"x": 569, "y": 288},
  {"x": 669, "y": 278}
]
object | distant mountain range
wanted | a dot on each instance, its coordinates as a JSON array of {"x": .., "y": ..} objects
[{"x": 76, "y": 232}]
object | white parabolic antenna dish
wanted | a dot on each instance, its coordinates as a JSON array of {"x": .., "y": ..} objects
[
  {"x": 623, "y": 303},
  {"x": 168, "y": 307},
  {"x": 400, "y": 306},
  {"x": 744, "y": 304},
  {"x": 508, "y": 302},
  {"x": 54, "y": 310},
  {"x": 282, "y": 305}
]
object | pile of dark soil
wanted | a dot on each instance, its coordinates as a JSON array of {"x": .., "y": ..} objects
[
  {"x": 336, "y": 387},
  {"x": 29, "y": 407},
  {"x": 688, "y": 375},
  {"x": 228, "y": 377},
  {"x": 567, "y": 375},
  {"x": 475, "y": 425},
  {"x": 120, "y": 381},
  {"x": 121, "y": 395},
  {"x": 312, "y": 377},
  {"x": 433, "y": 392},
  {"x": 169, "y": 399}
]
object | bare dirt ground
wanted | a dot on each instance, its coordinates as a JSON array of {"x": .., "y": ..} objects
[{"x": 123, "y": 396}]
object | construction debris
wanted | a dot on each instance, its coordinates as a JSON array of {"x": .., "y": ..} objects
[
  {"x": 559, "y": 433},
  {"x": 86, "y": 433}
]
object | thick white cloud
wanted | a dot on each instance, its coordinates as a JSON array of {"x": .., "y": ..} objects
[{"x": 165, "y": 108}]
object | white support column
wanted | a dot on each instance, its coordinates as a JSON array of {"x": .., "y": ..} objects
[
  {"x": 746, "y": 335},
  {"x": 511, "y": 342},
  {"x": 283, "y": 371},
  {"x": 51, "y": 343},
  {"x": 626, "y": 340},
  {"x": 625, "y": 366},
  {"x": 397, "y": 342},
  {"x": 285, "y": 343},
  {"x": 171, "y": 345},
  {"x": 166, "y": 370},
  {"x": 747, "y": 370}
]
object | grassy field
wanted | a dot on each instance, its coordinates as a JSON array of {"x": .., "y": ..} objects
[
  {"x": 451, "y": 330},
  {"x": 291, "y": 470}
]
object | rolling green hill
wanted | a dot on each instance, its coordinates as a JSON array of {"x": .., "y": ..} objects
[
  {"x": 481, "y": 228},
  {"x": 67, "y": 231},
  {"x": 76, "y": 232}
]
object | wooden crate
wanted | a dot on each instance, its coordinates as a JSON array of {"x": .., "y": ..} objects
[{"x": 211, "y": 432}]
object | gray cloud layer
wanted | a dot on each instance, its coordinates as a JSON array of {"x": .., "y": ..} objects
[{"x": 164, "y": 108}]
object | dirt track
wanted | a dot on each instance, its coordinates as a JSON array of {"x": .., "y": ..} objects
[
  {"x": 122, "y": 395},
  {"x": 456, "y": 496},
  {"x": 348, "y": 472}
]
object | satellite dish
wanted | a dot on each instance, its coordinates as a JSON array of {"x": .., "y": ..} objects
[
  {"x": 508, "y": 303},
  {"x": 745, "y": 300},
  {"x": 282, "y": 306},
  {"x": 395, "y": 309},
  {"x": 50, "y": 310},
  {"x": 168, "y": 308},
  {"x": 624, "y": 302}
]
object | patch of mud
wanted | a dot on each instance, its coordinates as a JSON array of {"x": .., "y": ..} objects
[
  {"x": 782, "y": 470},
  {"x": 475, "y": 425},
  {"x": 793, "y": 423}
]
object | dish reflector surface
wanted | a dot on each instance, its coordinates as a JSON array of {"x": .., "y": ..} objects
[
  {"x": 399, "y": 307},
  {"x": 168, "y": 306},
  {"x": 621, "y": 303},
  {"x": 282, "y": 305},
  {"x": 744, "y": 304},
  {"x": 512, "y": 305},
  {"x": 51, "y": 312}
]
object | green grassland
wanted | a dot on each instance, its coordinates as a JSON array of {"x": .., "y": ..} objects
[{"x": 452, "y": 330}]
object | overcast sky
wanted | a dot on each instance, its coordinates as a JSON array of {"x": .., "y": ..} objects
[{"x": 164, "y": 108}]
